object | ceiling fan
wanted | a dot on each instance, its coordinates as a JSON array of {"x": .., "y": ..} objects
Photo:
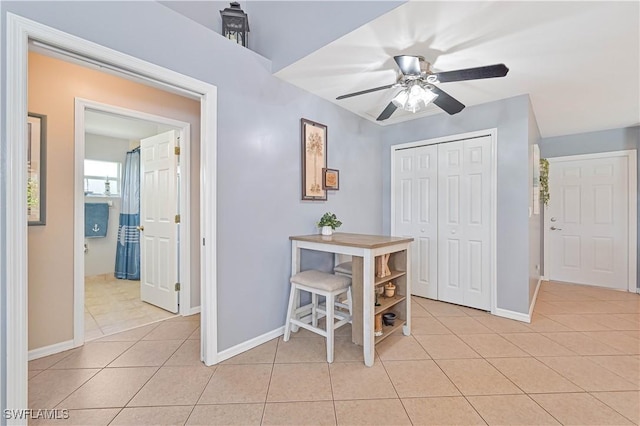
[{"x": 418, "y": 84}]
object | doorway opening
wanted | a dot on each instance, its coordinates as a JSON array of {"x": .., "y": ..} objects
[
  {"x": 130, "y": 272},
  {"x": 20, "y": 31}
]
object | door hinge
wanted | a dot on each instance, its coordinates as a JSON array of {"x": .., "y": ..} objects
[
  {"x": 177, "y": 287},
  {"x": 176, "y": 150},
  {"x": 177, "y": 218}
]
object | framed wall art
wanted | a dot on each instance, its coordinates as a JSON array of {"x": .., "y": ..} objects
[
  {"x": 330, "y": 179},
  {"x": 314, "y": 159},
  {"x": 36, "y": 168}
]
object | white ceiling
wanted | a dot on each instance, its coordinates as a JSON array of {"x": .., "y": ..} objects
[
  {"x": 578, "y": 61},
  {"x": 120, "y": 127}
]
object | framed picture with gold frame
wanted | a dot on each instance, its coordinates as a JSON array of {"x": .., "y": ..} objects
[
  {"x": 314, "y": 159},
  {"x": 330, "y": 179}
]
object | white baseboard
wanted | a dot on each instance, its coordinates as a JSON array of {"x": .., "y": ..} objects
[
  {"x": 193, "y": 311},
  {"x": 50, "y": 350},
  {"x": 535, "y": 297},
  {"x": 518, "y": 316},
  {"x": 543, "y": 278},
  {"x": 250, "y": 344}
]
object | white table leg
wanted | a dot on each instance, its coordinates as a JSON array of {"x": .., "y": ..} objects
[
  {"x": 406, "y": 329},
  {"x": 295, "y": 268},
  {"x": 367, "y": 308}
]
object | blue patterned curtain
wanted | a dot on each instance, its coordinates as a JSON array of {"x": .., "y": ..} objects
[{"x": 128, "y": 250}]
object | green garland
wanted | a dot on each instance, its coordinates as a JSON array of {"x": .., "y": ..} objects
[{"x": 544, "y": 181}]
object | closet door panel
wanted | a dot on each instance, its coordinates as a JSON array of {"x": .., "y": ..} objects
[
  {"x": 451, "y": 211},
  {"x": 464, "y": 209},
  {"x": 416, "y": 215}
]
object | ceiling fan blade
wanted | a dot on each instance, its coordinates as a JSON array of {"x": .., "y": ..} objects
[
  {"x": 446, "y": 102},
  {"x": 363, "y": 92},
  {"x": 409, "y": 65},
  {"x": 390, "y": 109},
  {"x": 490, "y": 71}
]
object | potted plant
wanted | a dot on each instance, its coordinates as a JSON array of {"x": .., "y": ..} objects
[{"x": 329, "y": 222}]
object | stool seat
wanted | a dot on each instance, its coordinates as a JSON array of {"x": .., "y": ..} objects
[
  {"x": 321, "y": 280},
  {"x": 344, "y": 268}
]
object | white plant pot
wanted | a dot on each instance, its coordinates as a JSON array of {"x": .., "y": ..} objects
[{"x": 326, "y": 230}]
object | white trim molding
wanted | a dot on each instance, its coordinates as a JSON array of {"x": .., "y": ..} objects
[
  {"x": 532, "y": 305},
  {"x": 632, "y": 176},
  {"x": 250, "y": 344},
  {"x": 19, "y": 31},
  {"x": 193, "y": 311},
  {"x": 51, "y": 349},
  {"x": 493, "y": 133},
  {"x": 15, "y": 219},
  {"x": 518, "y": 316}
]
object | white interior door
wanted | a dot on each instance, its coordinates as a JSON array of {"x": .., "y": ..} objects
[
  {"x": 464, "y": 215},
  {"x": 416, "y": 213},
  {"x": 158, "y": 207},
  {"x": 587, "y": 222}
]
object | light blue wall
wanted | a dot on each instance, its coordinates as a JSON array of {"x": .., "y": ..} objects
[
  {"x": 594, "y": 142},
  {"x": 510, "y": 117},
  {"x": 206, "y": 13},
  {"x": 258, "y": 150},
  {"x": 535, "y": 220},
  {"x": 285, "y": 31}
]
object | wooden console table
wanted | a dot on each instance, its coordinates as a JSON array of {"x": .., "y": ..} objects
[{"x": 364, "y": 249}]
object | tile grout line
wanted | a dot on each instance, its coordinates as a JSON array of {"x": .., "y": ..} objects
[
  {"x": 333, "y": 398},
  {"x": 391, "y": 381},
  {"x": 201, "y": 393},
  {"x": 609, "y": 405},
  {"x": 266, "y": 395},
  {"x": 500, "y": 372},
  {"x": 150, "y": 377},
  {"x": 460, "y": 391}
]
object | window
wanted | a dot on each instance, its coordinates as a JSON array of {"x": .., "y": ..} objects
[{"x": 98, "y": 173}]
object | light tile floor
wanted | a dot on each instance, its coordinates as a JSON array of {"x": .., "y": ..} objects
[
  {"x": 112, "y": 305},
  {"x": 577, "y": 363}
]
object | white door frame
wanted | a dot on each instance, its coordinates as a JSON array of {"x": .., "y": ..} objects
[
  {"x": 632, "y": 158},
  {"x": 14, "y": 252},
  {"x": 184, "y": 254},
  {"x": 493, "y": 133}
]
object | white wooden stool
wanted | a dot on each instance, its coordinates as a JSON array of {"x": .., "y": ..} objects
[
  {"x": 318, "y": 284},
  {"x": 345, "y": 269}
]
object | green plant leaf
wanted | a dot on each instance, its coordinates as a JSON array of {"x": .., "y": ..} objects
[
  {"x": 329, "y": 219},
  {"x": 544, "y": 181}
]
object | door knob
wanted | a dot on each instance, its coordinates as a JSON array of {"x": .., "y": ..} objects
[
  {"x": 553, "y": 228},
  {"x": 140, "y": 228},
  {"x": 553, "y": 219},
  {"x": 453, "y": 231},
  {"x": 422, "y": 230}
]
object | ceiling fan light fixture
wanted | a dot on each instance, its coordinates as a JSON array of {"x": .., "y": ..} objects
[{"x": 414, "y": 98}]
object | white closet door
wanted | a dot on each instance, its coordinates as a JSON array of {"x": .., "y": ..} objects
[
  {"x": 416, "y": 213},
  {"x": 464, "y": 214}
]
